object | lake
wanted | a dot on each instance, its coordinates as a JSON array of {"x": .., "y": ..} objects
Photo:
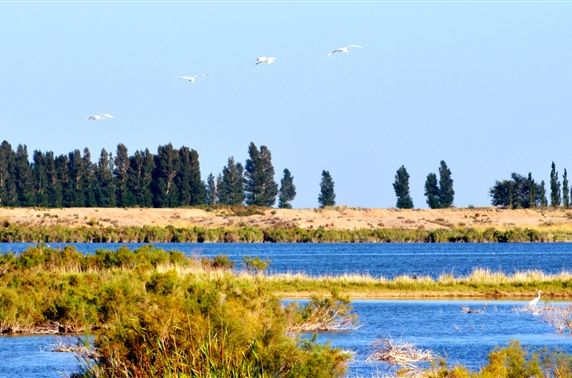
[
  {"x": 438, "y": 325},
  {"x": 387, "y": 260}
]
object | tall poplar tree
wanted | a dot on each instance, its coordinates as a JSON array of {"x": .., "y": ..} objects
[
  {"x": 432, "y": 191},
  {"x": 565, "y": 190},
  {"x": 555, "y": 198},
  {"x": 23, "y": 176},
  {"x": 8, "y": 193},
  {"x": 40, "y": 179},
  {"x": 212, "y": 190},
  {"x": 401, "y": 187},
  {"x": 287, "y": 191},
  {"x": 121, "y": 163},
  {"x": 166, "y": 167},
  {"x": 327, "y": 195},
  {"x": 140, "y": 177},
  {"x": 105, "y": 187},
  {"x": 446, "y": 191},
  {"x": 542, "y": 194}
]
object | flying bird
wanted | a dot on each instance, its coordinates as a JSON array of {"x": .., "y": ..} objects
[
  {"x": 265, "y": 60},
  {"x": 192, "y": 78},
  {"x": 99, "y": 117},
  {"x": 343, "y": 50}
]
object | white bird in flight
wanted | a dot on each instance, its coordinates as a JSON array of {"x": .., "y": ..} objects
[
  {"x": 192, "y": 78},
  {"x": 99, "y": 117},
  {"x": 343, "y": 50},
  {"x": 265, "y": 60}
]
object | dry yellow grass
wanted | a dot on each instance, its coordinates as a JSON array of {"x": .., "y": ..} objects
[{"x": 339, "y": 217}]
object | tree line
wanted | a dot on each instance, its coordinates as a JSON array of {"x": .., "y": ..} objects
[
  {"x": 524, "y": 192},
  {"x": 169, "y": 178}
]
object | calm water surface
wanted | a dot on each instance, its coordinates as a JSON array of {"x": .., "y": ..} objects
[
  {"x": 388, "y": 260},
  {"x": 437, "y": 325}
]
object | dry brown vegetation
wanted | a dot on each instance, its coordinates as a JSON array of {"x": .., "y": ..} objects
[{"x": 339, "y": 217}]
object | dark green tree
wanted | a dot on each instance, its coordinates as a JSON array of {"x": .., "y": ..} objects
[
  {"x": 54, "y": 188},
  {"x": 75, "y": 192},
  {"x": 287, "y": 191},
  {"x": 327, "y": 195},
  {"x": 555, "y": 198},
  {"x": 140, "y": 177},
  {"x": 212, "y": 190},
  {"x": 62, "y": 170},
  {"x": 121, "y": 163},
  {"x": 260, "y": 187},
  {"x": 446, "y": 191},
  {"x": 190, "y": 187},
  {"x": 432, "y": 191},
  {"x": 105, "y": 187},
  {"x": 542, "y": 194},
  {"x": 565, "y": 190},
  {"x": 231, "y": 186},
  {"x": 166, "y": 167},
  {"x": 8, "y": 194},
  {"x": 88, "y": 179},
  {"x": 23, "y": 176},
  {"x": 532, "y": 189},
  {"x": 40, "y": 179},
  {"x": 401, "y": 187}
]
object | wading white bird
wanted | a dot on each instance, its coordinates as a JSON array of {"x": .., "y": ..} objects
[
  {"x": 99, "y": 117},
  {"x": 533, "y": 302},
  {"x": 343, "y": 50},
  {"x": 265, "y": 60},
  {"x": 192, "y": 78}
]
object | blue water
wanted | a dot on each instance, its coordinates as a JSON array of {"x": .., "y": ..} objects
[
  {"x": 437, "y": 325},
  {"x": 387, "y": 260}
]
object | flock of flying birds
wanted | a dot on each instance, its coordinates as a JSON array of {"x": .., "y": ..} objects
[{"x": 193, "y": 78}]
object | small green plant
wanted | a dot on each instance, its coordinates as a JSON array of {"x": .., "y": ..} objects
[{"x": 255, "y": 264}]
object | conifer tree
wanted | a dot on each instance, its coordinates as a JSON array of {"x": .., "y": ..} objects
[
  {"x": 54, "y": 188},
  {"x": 75, "y": 192},
  {"x": 88, "y": 179},
  {"x": 555, "y": 198},
  {"x": 260, "y": 187},
  {"x": 432, "y": 191},
  {"x": 287, "y": 191},
  {"x": 401, "y": 187},
  {"x": 327, "y": 195},
  {"x": 565, "y": 190},
  {"x": 231, "y": 186},
  {"x": 446, "y": 192}
]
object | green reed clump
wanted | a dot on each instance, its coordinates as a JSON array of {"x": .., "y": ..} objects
[
  {"x": 185, "y": 326},
  {"x": 512, "y": 361},
  {"x": 248, "y": 234}
]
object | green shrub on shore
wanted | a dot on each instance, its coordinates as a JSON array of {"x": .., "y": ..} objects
[{"x": 247, "y": 234}]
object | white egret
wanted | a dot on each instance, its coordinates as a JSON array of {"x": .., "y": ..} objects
[
  {"x": 265, "y": 60},
  {"x": 532, "y": 303},
  {"x": 192, "y": 78},
  {"x": 343, "y": 50},
  {"x": 99, "y": 117}
]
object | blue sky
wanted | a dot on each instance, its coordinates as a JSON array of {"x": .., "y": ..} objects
[{"x": 486, "y": 87}]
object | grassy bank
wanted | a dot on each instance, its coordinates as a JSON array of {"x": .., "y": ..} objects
[
  {"x": 43, "y": 286},
  {"x": 249, "y": 234}
]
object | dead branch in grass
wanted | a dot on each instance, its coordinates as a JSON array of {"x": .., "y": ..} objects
[{"x": 406, "y": 355}]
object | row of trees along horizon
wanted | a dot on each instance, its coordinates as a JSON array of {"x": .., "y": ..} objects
[
  {"x": 172, "y": 178},
  {"x": 169, "y": 178}
]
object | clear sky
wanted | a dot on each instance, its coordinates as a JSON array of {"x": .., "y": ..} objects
[{"x": 484, "y": 86}]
